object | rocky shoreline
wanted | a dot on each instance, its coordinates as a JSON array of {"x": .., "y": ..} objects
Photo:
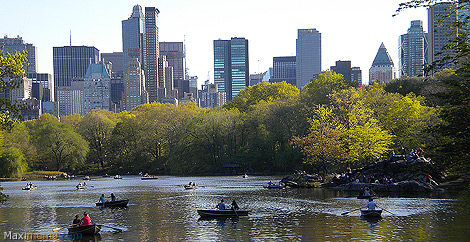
[{"x": 398, "y": 174}]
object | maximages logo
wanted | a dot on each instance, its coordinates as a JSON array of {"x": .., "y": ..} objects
[{"x": 39, "y": 236}]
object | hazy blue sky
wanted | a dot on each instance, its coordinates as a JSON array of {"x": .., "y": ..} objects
[{"x": 351, "y": 30}]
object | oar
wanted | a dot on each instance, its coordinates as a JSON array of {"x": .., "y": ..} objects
[
  {"x": 349, "y": 211},
  {"x": 57, "y": 229},
  {"x": 120, "y": 230},
  {"x": 387, "y": 211}
]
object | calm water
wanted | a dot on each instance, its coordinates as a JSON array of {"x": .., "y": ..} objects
[{"x": 161, "y": 210}]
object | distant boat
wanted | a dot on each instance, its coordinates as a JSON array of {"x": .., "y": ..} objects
[
  {"x": 29, "y": 188},
  {"x": 222, "y": 213},
  {"x": 117, "y": 177},
  {"x": 365, "y": 196},
  {"x": 148, "y": 178},
  {"x": 85, "y": 229},
  {"x": 371, "y": 213},
  {"x": 274, "y": 186},
  {"x": 86, "y": 178},
  {"x": 117, "y": 203},
  {"x": 189, "y": 187},
  {"x": 245, "y": 176},
  {"x": 80, "y": 187},
  {"x": 105, "y": 175}
]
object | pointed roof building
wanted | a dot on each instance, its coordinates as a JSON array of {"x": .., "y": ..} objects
[{"x": 382, "y": 69}]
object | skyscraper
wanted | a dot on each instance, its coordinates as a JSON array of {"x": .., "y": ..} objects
[
  {"x": 440, "y": 30},
  {"x": 151, "y": 52},
  {"x": 231, "y": 65},
  {"x": 175, "y": 56},
  {"x": 70, "y": 62},
  {"x": 412, "y": 50},
  {"x": 382, "y": 69},
  {"x": 308, "y": 53},
  {"x": 11, "y": 45},
  {"x": 343, "y": 68},
  {"x": 132, "y": 36},
  {"x": 284, "y": 69},
  {"x": 96, "y": 91},
  {"x": 134, "y": 86}
]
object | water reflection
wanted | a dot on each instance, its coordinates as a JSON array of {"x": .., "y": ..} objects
[
  {"x": 372, "y": 221},
  {"x": 162, "y": 210}
]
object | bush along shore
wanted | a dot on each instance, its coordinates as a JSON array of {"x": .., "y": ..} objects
[{"x": 398, "y": 174}]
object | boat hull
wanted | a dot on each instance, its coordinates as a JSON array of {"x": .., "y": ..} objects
[
  {"x": 371, "y": 213},
  {"x": 188, "y": 187},
  {"x": 85, "y": 229},
  {"x": 222, "y": 213},
  {"x": 149, "y": 178},
  {"x": 365, "y": 197},
  {"x": 29, "y": 188},
  {"x": 273, "y": 186},
  {"x": 119, "y": 203}
]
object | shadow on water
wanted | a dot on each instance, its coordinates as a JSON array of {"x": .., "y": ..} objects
[{"x": 372, "y": 221}]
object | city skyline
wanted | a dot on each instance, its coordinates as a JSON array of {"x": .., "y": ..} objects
[{"x": 350, "y": 30}]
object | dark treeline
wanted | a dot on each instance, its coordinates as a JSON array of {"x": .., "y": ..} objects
[{"x": 267, "y": 128}]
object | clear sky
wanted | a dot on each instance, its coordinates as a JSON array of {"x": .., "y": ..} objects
[{"x": 351, "y": 30}]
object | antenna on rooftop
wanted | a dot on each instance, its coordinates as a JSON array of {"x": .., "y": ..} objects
[{"x": 70, "y": 37}]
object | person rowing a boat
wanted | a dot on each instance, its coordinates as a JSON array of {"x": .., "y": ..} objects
[
  {"x": 221, "y": 205},
  {"x": 76, "y": 221},
  {"x": 102, "y": 199},
  {"x": 86, "y": 220},
  {"x": 235, "y": 205},
  {"x": 371, "y": 205}
]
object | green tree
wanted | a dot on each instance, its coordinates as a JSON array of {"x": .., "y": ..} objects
[
  {"x": 11, "y": 76},
  {"x": 58, "y": 146},
  {"x": 323, "y": 145},
  {"x": 12, "y": 163},
  {"x": 263, "y": 91},
  {"x": 95, "y": 127},
  {"x": 317, "y": 90},
  {"x": 19, "y": 137}
]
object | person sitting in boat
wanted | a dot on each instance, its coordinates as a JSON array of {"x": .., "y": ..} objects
[
  {"x": 366, "y": 192},
  {"x": 76, "y": 221},
  {"x": 235, "y": 205},
  {"x": 221, "y": 205},
  {"x": 371, "y": 192},
  {"x": 102, "y": 198},
  {"x": 371, "y": 205},
  {"x": 113, "y": 198},
  {"x": 86, "y": 220},
  {"x": 84, "y": 184}
]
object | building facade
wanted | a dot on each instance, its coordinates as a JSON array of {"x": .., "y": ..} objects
[
  {"x": 70, "y": 62},
  {"x": 175, "y": 56},
  {"x": 440, "y": 31},
  {"x": 151, "y": 52},
  {"x": 132, "y": 36},
  {"x": 45, "y": 79},
  {"x": 413, "y": 50},
  {"x": 308, "y": 56},
  {"x": 12, "y": 45},
  {"x": 343, "y": 68},
  {"x": 96, "y": 89},
  {"x": 134, "y": 86},
  {"x": 284, "y": 69},
  {"x": 231, "y": 65},
  {"x": 114, "y": 63},
  {"x": 382, "y": 69}
]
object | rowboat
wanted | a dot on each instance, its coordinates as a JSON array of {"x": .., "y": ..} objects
[
  {"x": 222, "y": 213},
  {"x": 148, "y": 178},
  {"x": 85, "y": 229},
  {"x": 273, "y": 186},
  {"x": 117, "y": 203},
  {"x": 371, "y": 213},
  {"x": 29, "y": 188},
  {"x": 365, "y": 196},
  {"x": 80, "y": 187},
  {"x": 117, "y": 177},
  {"x": 189, "y": 187}
]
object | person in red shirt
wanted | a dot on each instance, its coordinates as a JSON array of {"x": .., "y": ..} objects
[{"x": 86, "y": 220}]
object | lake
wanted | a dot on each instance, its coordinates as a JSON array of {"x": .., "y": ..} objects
[{"x": 162, "y": 210}]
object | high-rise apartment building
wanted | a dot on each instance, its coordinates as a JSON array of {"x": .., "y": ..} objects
[
  {"x": 412, "y": 50},
  {"x": 343, "y": 68},
  {"x": 231, "y": 65},
  {"x": 151, "y": 52},
  {"x": 11, "y": 45},
  {"x": 441, "y": 16},
  {"x": 96, "y": 88},
  {"x": 175, "y": 56},
  {"x": 356, "y": 75},
  {"x": 284, "y": 69},
  {"x": 382, "y": 69},
  {"x": 70, "y": 62},
  {"x": 114, "y": 63},
  {"x": 132, "y": 37},
  {"x": 45, "y": 79},
  {"x": 308, "y": 53},
  {"x": 134, "y": 86}
]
